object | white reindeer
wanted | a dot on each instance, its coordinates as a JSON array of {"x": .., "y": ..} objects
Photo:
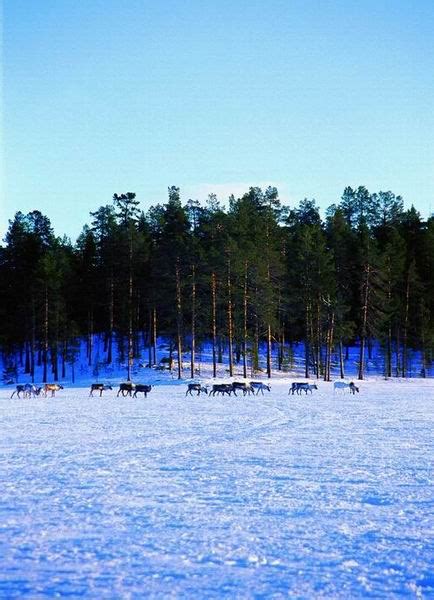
[{"x": 344, "y": 385}]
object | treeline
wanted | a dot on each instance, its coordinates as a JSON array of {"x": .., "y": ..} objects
[{"x": 254, "y": 274}]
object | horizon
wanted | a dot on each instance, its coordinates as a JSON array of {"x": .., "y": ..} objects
[{"x": 101, "y": 98}]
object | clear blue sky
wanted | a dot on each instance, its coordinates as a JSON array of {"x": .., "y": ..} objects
[{"x": 104, "y": 96}]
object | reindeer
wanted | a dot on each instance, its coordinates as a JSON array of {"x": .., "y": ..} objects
[
  {"x": 126, "y": 388},
  {"x": 140, "y": 387},
  {"x": 343, "y": 385},
  {"x": 196, "y": 387},
  {"x": 221, "y": 388},
  {"x": 32, "y": 390},
  {"x": 99, "y": 387},
  {"x": 299, "y": 386},
  {"x": 259, "y": 386},
  {"x": 53, "y": 388},
  {"x": 20, "y": 389},
  {"x": 246, "y": 388}
]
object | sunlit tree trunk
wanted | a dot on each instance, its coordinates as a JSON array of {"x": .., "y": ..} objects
[
  {"x": 193, "y": 321},
  {"x": 318, "y": 339},
  {"x": 269, "y": 351},
  {"x": 154, "y": 336},
  {"x": 329, "y": 347},
  {"x": 282, "y": 347},
  {"x": 255, "y": 348},
  {"x": 245, "y": 322},
  {"x": 214, "y": 324},
  {"x": 405, "y": 327},
  {"x": 363, "y": 331},
  {"x": 130, "y": 308},
  {"x": 230, "y": 322},
  {"x": 306, "y": 342}
]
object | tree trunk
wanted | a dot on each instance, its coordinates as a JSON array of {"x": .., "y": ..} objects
[
  {"x": 389, "y": 352},
  {"x": 269, "y": 351},
  {"x": 341, "y": 360},
  {"x": 364, "y": 322},
  {"x": 55, "y": 363},
  {"x": 214, "y": 324},
  {"x": 193, "y": 320},
  {"x": 150, "y": 339},
  {"x": 369, "y": 344},
  {"x": 136, "y": 328},
  {"x": 405, "y": 329},
  {"x": 170, "y": 356},
  {"x": 245, "y": 323},
  {"x": 178, "y": 317},
  {"x": 388, "y": 361},
  {"x": 327, "y": 352},
  {"x": 130, "y": 308},
  {"x": 330, "y": 347},
  {"x": 362, "y": 357},
  {"x": 154, "y": 336},
  {"x": 306, "y": 343},
  {"x": 279, "y": 352},
  {"x": 45, "y": 351},
  {"x": 398, "y": 352},
  {"x": 280, "y": 335},
  {"x": 255, "y": 348},
  {"x": 55, "y": 349},
  {"x": 312, "y": 350},
  {"x": 230, "y": 322},
  {"x": 318, "y": 339},
  {"x": 64, "y": 352},
  {"x": 423, "y": 356},
  {"x": 111, "y": 321},
  {"x": 33, "y": 342}
]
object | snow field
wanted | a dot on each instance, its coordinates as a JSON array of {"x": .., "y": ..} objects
[{"x": 312, "y": 496}]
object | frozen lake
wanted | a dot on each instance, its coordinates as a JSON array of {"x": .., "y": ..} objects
[{"x": 197, "y": 497}]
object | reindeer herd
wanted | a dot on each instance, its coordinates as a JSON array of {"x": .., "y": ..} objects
[
  {"x": 229, "y": 388},
  {"x": 30, "y": 390}
]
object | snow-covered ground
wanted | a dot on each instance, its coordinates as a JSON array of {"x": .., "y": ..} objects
[{"x": 317, "y": 496}]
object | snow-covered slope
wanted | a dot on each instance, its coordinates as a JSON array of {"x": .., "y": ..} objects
[{"x": 323, "y": 495}]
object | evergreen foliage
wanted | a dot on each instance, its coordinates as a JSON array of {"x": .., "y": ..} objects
[{"x": 254, "y": 273}]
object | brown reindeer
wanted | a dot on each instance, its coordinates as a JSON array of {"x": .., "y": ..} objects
[{"x": 52, "y": 387}]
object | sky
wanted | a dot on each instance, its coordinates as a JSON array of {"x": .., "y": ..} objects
[{"x": 109, "y": 96}]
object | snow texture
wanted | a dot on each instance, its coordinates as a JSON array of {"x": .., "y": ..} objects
[{"x": 312, "y": 496}]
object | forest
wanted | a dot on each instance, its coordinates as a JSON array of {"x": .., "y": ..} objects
[{"x": 251, "y": 275}]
